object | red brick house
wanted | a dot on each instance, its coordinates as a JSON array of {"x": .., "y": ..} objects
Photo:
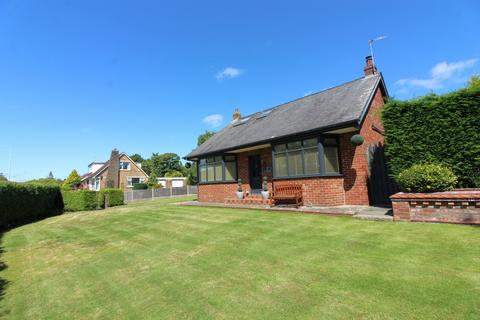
[{"x": 304, "y": 142}]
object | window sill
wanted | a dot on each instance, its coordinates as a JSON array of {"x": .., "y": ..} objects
[{"x": 330, "y": 175}]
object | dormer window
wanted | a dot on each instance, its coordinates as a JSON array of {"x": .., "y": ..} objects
[{"x": 124, "y": 165}]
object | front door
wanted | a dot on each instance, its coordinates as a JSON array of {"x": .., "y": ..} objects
[{"x": 255, "y": 172}]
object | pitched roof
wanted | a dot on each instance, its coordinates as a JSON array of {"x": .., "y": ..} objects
[
  {"x": 340, "y": 105},
  {"x": 105, "y": 166}
]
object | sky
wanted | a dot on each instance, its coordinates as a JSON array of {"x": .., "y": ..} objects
[{"x": 79, "y": 78}]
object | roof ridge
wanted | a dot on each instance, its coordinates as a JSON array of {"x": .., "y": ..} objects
[{"x": 309, "y": 95}]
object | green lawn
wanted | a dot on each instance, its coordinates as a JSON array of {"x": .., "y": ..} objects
[{"x": 156, "y": 260}]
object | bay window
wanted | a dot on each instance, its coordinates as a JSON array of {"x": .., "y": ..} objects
[
  {"x": 308, "y": 157},
  {"x": 218, "y": 169}
]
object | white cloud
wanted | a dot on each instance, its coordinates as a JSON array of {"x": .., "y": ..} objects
[
  {"x": 214, "y": 120},
  {"x": 228, "y": 73},
  {"x": 440, "y": 74}
]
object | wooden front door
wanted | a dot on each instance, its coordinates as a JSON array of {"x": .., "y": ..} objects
[
  {"x": 380, "y": 184},
  {"x": 255, "y": 172}
]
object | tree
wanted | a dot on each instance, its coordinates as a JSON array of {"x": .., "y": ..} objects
[
  {"x": 204, "y": 137},
  {"x": 173, "y": 174},
  {"x": 137, "y": 158},
  {"x": 50, "y": 175},
  {"x": 163, "y": 163},
  {"x": 72, "y": 180},
  {"x": 474, "y": 82},
  {"x": 2, "y": 177},
  {"x": 152, "y": 180},
  {"x": 190, "y": 172}
]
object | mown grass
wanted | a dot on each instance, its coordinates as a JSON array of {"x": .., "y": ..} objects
[{"x": 154, "y": 260}]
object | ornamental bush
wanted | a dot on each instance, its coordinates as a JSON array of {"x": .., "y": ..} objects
[
  {"x": 427, "y": 178},
  {"x": 140, "y": 186},
  {"x": 23, "y": 202},
  {"x": 435, "y": 129},
  {"x": 113, "y": 197},
  {"x": 80, "y": 200}
]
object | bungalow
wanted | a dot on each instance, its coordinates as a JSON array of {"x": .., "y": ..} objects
[
  {"x": 118, "y": 172},
  {"x": 305, "y": 142}
]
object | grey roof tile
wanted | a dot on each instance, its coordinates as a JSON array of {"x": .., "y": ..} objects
[{"x": 332, "y": 107}]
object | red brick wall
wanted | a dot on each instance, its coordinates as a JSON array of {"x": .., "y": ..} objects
[
  {"x": 351, "y": 188},
  {"x": 450, "y": 207},
  {"x": 355, "y": 159}
]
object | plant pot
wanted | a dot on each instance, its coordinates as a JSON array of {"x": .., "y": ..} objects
[
  {"x": 265, "y": 195},
  {"x": 239, "y": 194}
]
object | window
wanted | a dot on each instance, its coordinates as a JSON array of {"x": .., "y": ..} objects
[
  {"x": 218, "y": 169},
  {"x": 306, "y": 158},
  {"x": 124, "y": 165},
  {"x": 133, "y": 180}
]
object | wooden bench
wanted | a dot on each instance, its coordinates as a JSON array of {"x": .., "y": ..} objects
[{"x": 288, "y": 192}]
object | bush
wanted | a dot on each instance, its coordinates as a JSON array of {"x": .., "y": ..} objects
[
  {"x": 80, "y": 200},
  {"x": 23, "y": 202},
  {"x": 140, "y": 186},
  {"x": 113, "y": 197},
  {"x": 427, "y": 178},
  {"x": 435, "y": 129}
]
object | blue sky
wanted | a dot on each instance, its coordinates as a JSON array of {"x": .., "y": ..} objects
[{"x": 78, "y": 78}]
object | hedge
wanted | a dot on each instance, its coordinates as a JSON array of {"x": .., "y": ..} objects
[
  {"x": 140, "y": 186},
  {"x": 443, "y": 129},
  {"x": 113, "y": 197},
  {"x": 23, "y": 202},
  {"x": 80, "y": 200}
]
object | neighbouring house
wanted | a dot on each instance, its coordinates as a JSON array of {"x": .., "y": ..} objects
[
  {"x": 172, "y": 182},
  {"x": 305, "y": 142},
  {"x": 118, "y": 172}
]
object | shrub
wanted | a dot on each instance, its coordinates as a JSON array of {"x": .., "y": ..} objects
[
  {"x": 435, "y": 129},
  {"x": 113, "y": 197},
  {"x": 73, "y": 180},
  {"x": 23, "y": 202},
  {"x": 80, "y": 200},
  {"x": 140, "y": 186},
  {"x": 427, "y": 178}
]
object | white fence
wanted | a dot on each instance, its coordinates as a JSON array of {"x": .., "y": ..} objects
[{"x": 135, "y": 195}]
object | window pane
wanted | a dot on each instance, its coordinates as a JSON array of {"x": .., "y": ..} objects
[
  {"x": 229, "y": 158},
  {"x": 211, "y": 159},
  {"x": 218, "y": 172},
  {"x": 294, "y": 145},
  {"x": 280, "y": 147},
  {"x": 210, "y": 172},
  {"x": 330, "y": 142},
  {"x": 129, "y": 181},
  {"x": 218, "y": 158},
  {"x": 280, "y": 165},
  {"x": 203, "y": 173},
  {"x": 135, "y": 180},
  {"x": 295, "y": 165},
  {"x": 311, "y": 161},
  {"x": 203, "y": 161},
  {"x": 331, "y": 160},
  {"x": 310, "y": 143},
  {"x": 230, "y": 171}
]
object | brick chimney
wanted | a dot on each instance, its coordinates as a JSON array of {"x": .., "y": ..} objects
[
  {"x": 236, "y": 115},
  {"x": 113, "y": 171},
  {"x": 369, "y": 67}
]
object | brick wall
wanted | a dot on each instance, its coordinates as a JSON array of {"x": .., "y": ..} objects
[
  {"x": 450, "y": 207},
  {"x": 351, "y": 188}
]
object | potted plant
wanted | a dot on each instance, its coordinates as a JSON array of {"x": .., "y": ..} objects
[
  {"x": 265, "y": 193},
  {"x": 239, "y": 189}
]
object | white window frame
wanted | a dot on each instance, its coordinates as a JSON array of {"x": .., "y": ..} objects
[
  {"x": 128, "y": 165},
  {"x": 130, "y": 183}
]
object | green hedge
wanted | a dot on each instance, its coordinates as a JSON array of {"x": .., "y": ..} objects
[
  {"x": 441, "y": 129},
  {"x": 140, "y": 186},
  {"x": 113, "y": 197},
  {"x": 22, "y": 202},
  {"x": 80, "y": 200}
]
